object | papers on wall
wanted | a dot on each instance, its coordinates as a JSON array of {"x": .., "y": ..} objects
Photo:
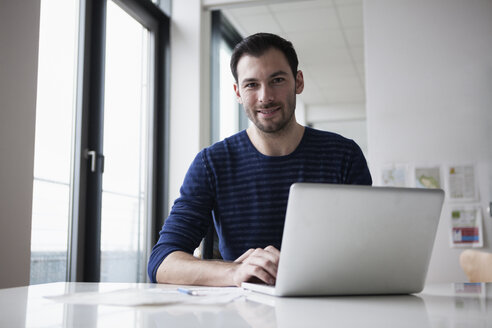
[
  {"x": 460, "y": 183},
  {"x": 470, "y": 289},
  {"x": 466, "y": 226},
  {"x": 411, "y": 175},
  {"x": 428, "y": 177},
  {"x": 394, "y": 175}
]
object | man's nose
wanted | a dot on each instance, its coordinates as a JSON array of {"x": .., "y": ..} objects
[{"x": 265, "y": 94}]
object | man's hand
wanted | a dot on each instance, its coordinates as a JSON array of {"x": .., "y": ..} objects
[
  {"x": 181, "y": 268},
  {"x": 257, "y": 264}
]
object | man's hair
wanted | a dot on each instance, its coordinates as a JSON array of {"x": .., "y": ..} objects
[{"x": 257, "y": 44}]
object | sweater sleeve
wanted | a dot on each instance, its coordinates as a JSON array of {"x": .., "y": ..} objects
[
  {"x": 189, "y": 219},
  {"x": 358, "y": 172}
]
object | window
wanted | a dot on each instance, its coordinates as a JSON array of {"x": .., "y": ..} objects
[
  {"x": 229, "y": 109},
  {"x": 53, "y": 143},
  {"x": 228, "y": 116},
  {"x": 126, "y": 153},
  {"x": 100, "y": 166}
]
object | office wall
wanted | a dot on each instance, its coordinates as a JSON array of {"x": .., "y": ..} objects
[
  {"x": 19, "y": 29},
  {"x": 347, "y": 119},
  {"x": 429, "y": 96},
  {"x": 190, "y": 89}
]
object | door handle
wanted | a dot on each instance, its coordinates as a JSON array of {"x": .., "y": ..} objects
[{"x": 92, "y": 154}]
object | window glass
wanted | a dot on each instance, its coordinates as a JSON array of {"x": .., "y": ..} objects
[
  {"x": 53, "y": 143},
  {"x": 126, "y": 119},
  {"x": 229, "y": 108}
]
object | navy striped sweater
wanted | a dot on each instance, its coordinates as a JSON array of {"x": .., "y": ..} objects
[{"x": 244, "y": 193}]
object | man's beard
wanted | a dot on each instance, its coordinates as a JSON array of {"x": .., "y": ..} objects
[{"x": 270, "y": 127}]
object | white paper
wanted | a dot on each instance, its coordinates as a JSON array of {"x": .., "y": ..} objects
[
  {"x": 428, "y": 177},
  {"x": 462, "y": 183},
  {"x": 394, "y": 175},
  {"x": 466, "y": 226},
  {"x": 151, "y": 296}
]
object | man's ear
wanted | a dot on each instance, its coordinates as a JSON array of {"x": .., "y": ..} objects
[
  {"x": 299, "y": 82},
  {"x": 238, "y": 95}
]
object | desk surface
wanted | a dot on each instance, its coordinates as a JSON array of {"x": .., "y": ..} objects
[{"x": 446, "y": 305}]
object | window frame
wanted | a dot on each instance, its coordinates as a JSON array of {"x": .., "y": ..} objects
[
  {"x": 222, "y": 30},
  {"x": 84, "y": 253}
]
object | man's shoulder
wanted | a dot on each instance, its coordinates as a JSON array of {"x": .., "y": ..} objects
[
  {"x": 228, "y": 150},
  {"x": 315, "y": 135},
  {"x": 232, "y": 143}
]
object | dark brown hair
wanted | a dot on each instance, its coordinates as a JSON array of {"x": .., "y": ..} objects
[{"x": 257, "y": 44}]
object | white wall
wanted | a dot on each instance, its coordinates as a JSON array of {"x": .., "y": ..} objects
[
  {"x": 336, "y": 112},
  {"x": 190, "y": 91},
  {"x": 347, "y": 119},
  {"x": 19, "y": 30},
  {"x": 429, "y": 95},
  {"x": 300, "y": 111}
]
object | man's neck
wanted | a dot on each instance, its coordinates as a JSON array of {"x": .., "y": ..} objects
[{"x": 276, "y": 144}]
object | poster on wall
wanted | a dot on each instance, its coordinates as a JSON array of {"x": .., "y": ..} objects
[
  {"x": 466, "y": 226},
  {"x": 461, "y": 183},
  {"x": 394, "y": 175},
  {"x": 427, "y": 177}
]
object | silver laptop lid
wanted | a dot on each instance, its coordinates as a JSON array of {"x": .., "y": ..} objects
[{"x": 346, "y": 239}]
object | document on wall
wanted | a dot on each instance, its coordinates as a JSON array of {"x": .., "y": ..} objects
[
  {"x": 466, "y": 226},
  {"x": 462, "y": 184},
  {"x": 428, "y": 177},
  {"x": 394, "y": 175}
]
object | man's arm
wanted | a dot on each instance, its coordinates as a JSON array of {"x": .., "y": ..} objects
[
  {"x": 185, "y": 269},
  {"x": 358, "y": 172}
]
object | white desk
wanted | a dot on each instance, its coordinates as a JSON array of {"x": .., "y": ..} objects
[{"x": 446, "y": 305}]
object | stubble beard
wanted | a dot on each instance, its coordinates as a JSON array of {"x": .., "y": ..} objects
[{"x": 273, "y": 128}]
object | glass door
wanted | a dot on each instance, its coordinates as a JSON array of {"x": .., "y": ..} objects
[
  {"x": 127, "y": 117},
  {"x": 53, "y": 144},
  {"x": 101, "y": 139}
]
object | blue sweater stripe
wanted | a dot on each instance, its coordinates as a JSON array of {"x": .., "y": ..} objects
[{"x": 247, "y": 192}]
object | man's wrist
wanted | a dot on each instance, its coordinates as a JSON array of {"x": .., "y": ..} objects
[{"x": 230, "y": 273}]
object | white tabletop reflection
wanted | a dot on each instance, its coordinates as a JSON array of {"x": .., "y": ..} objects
[{"x": 443, "y": 305}]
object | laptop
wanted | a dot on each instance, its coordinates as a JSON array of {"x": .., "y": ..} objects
[{"x": 355, "y": 240}]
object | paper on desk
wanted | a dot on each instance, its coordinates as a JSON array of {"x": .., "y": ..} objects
[{"x": 150, "y": 296}]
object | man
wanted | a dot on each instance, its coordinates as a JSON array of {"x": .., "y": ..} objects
[{"x": 241, "y": 184}]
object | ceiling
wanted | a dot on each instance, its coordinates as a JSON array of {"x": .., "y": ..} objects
[{"x": 328, "y": 38}]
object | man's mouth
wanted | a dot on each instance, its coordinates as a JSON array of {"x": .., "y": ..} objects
[{"x": 266, "y": 112}]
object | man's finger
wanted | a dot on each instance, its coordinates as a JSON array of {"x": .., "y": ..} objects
[
  {"x": 254, "y": 271},
  {"x": 272, "y": 250},
  {"x": 264, "y": 260},
  {"x": 244, "y": 256}
]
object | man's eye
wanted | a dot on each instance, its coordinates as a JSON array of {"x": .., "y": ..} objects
[
  {"x": 250, "y": 85},
  {"x": 278, "y": 80}
]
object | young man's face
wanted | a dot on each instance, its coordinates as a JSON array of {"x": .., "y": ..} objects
[{"x": 267, "y": 89}]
